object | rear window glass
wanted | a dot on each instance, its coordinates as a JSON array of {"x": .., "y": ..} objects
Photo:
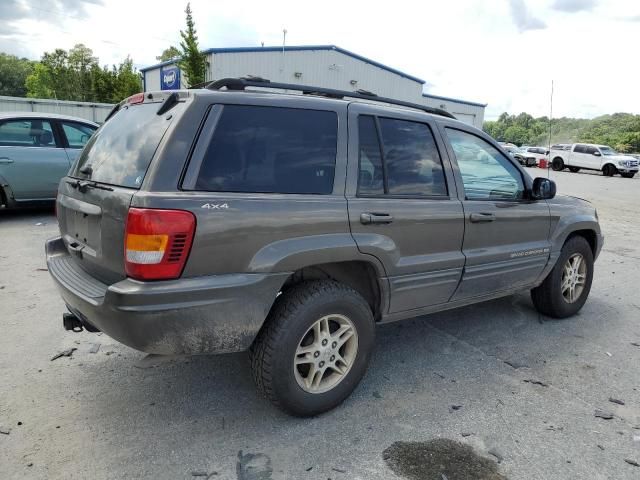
[
  {"x": 271, "y": 150},
  {"x": 120, "y": 151}
]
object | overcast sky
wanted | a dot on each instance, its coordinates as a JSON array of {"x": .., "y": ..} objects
[{"x": 500, "y": 52}]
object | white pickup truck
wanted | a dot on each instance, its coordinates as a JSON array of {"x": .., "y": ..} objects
[{"x": 592, "y": 157}]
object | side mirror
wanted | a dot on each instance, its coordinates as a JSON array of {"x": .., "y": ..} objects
[
  {"x": 597, "y": 153},
  {"x": 543, "y": 189}
]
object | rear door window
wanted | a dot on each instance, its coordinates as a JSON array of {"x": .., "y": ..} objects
[
  {"x": 77, "y": 134},
  {"x": 412, "y": 163},
  {"x": 270, "y": 150}
]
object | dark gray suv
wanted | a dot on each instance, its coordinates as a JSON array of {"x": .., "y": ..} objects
[{"x": 231, "y": 218}]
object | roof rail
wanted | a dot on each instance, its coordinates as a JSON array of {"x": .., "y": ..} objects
[{"x": 239, "y": 84}]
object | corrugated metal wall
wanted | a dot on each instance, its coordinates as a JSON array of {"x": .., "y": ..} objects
[
  {"x": 95, "y": 112},
  {"x": 325, "y": 68},
  {"x": 465, "y": 112}
]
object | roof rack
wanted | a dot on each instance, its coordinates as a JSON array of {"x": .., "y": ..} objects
[{"x": 240, "y": 84}]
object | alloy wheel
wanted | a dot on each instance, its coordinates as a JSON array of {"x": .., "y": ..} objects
[
  {"x": 574, "y": 276},
  {"x": 325, "y": 353}
]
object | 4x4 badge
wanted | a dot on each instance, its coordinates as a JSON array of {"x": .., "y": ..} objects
[{"x": 215, "y": 206}]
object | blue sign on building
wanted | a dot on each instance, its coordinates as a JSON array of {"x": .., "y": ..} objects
[{"x": 169, "y": 77}]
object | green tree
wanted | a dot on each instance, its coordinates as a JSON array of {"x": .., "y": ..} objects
[
  {"x": 127, "y": 80},
  {"x": 76, "y": 75},
  {"x": 619, "y": 130},
  {"x": 169, "y": 54},
  {"x": 13, "y": 75},
  {"x": 193, "y": 63}
]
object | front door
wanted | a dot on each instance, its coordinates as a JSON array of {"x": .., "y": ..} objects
[
  {"x": 506, "y": 240},
  {"x": 31, "y": 161},
  {"x": 592, "y": 158},
  {"x": 579, "y": 157},
  {"x": 404, "y": 210}
]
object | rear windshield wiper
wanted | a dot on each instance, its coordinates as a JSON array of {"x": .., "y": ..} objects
[{"x": 82, "y": 185}]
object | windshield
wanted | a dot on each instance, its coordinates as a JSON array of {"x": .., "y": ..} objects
[{"x": 608, "y": 151}]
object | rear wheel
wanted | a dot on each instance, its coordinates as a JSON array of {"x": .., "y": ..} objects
[
  {"x": 628, "y": 174},
  {"x": 609, "y": 170},
  {"x": 557, "y": 164},
  {"x": 566, "y": 288},
  {"x": 574, "y": 169},
  {"x": 314, "y": 348}
]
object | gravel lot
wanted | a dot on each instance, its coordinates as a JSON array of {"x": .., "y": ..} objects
[{"x": 117, "y": 413}]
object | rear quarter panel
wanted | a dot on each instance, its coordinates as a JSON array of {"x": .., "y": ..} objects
[{"x": 251, "y": 232}]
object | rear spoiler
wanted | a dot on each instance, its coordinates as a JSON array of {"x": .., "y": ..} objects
[{"x": 169, "y": 100}]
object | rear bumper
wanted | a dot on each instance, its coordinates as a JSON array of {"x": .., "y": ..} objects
[{"x": 210, "y": 314}]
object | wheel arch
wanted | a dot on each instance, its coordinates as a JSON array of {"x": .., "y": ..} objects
[
  {"x": 361, "y": 275},
  {"x": 589, "y": 235},
  {"x": 7, "y": 199}
]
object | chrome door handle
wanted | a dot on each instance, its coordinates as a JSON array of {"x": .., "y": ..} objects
[
  {"x": 482, "y": 217},
  {"x": 5, "y": 160},
  {"x": 375, "y": 218}
]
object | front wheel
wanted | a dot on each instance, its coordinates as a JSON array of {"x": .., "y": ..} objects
[
  {"x": 609, "y": 170},
  {"x": 557, "y": 164},
  {"x": 574, "y": 169},
  {"x": 314, "y": 347},
  {"x": 628, "y": 174},
  {"x": 566, "y": 288}
]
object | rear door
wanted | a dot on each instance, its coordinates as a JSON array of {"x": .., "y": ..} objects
[
  {"x": 76, "y": 135},
  {"x": 32, "y": 160},
  {"x": 403, "y": 207},
  {"x": 93, "y": 201},
  {"x": 506, "y": 239}
]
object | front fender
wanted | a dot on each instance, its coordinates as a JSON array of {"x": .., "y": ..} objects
[{"x": 568, "y": 225}]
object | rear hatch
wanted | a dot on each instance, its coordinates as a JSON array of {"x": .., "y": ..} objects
[{"x": 93, "y": 200}]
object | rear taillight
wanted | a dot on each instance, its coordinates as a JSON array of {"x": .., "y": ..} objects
[{"x": 157, "y": 243}]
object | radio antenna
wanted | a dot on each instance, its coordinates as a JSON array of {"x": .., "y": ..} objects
[{"x": 550, "y": 117}]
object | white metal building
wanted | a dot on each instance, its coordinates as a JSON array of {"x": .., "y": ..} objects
[{"x": 318, "y": 65}]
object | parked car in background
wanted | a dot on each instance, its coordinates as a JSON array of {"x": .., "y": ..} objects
[
  {"x": 593, "y": 157},
  {"x": 523, "y": 157},
  {"x": 36, "y": 151},
  {"x": 540, "y": 153}
]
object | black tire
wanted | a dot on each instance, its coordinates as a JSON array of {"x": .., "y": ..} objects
[
  {"x": 609, "y": 170},
  {"x": 557, "y": 164},
  {"x": 273, "y": 351},
  {"x": 628, "y": 174},
  {"x": 548, "y": 298},
  {"x": 574, "y": 169}
]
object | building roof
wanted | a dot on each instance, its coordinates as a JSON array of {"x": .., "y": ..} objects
[
  {"x": 295, "y": 48},
  {"x": 456, "y": 100}
]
